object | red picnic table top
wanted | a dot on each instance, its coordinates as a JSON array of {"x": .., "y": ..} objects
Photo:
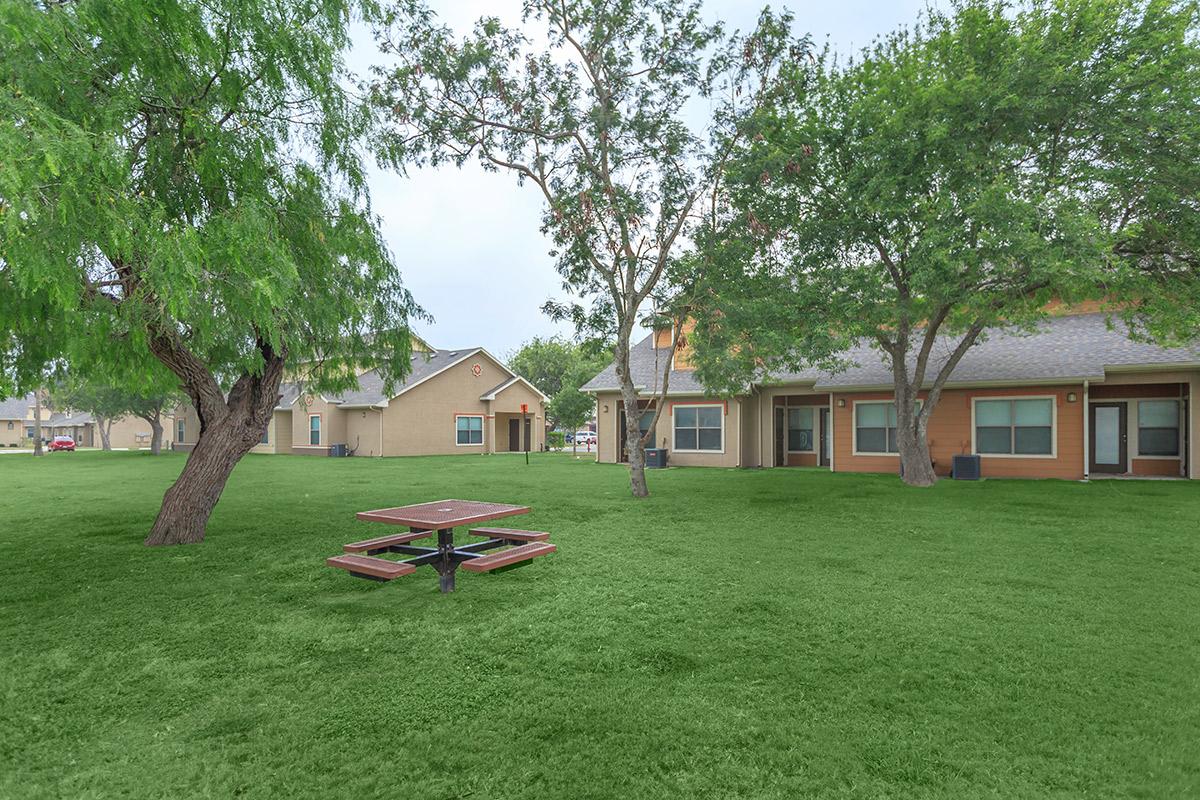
[{"x": 442, "y": 514}]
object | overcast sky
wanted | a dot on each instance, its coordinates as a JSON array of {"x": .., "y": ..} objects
[{"x": 467, "y": 241}]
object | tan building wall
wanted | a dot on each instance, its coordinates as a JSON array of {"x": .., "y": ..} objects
[
  {"x": 12, "y": 432},
  {"x": 422, "y": 420},
  {"x": 364, "y": 431},
  {"x": 735, "y": 446},
  {"x": 279, "y": 434},
  {"x": 333, "y": 424},
  {"x": 134, "y": 433}
]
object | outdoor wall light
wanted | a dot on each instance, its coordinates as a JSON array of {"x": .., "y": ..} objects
[
  {"x": 1070, "y": 397},
  {"x": 606, "y": 408},
  {"x": 841, "y": 402}
]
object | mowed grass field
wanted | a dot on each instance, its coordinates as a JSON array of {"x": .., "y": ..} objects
[{"x": 740, "y": 634}]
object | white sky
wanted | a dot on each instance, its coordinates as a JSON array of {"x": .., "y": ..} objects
[{"x": 467, "y": 241}]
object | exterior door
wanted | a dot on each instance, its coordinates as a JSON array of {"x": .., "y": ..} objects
[
  {"x": 1109, "y": 436},
  {"x": 623, "y": 429},
  {"x": 780, "y": 436},
  {"x": 514, "y": 435},
  {"x": 825, "y": 443}
]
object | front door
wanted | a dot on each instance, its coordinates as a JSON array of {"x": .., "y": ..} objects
[
  {"x": 780, "y": 436},
  {"x": 514, "y": 435},
  {"x": 1109, "y": 436},
  {"x": 824, "y": 460}
]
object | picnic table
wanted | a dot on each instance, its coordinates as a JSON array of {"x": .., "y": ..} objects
[{"x": 442, "y": 517}]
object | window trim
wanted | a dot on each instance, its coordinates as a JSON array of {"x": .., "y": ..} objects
[
  {"x": 482, "y": 430},
  {"x": 320, "y": 429},
  {"x": 1135, "y": 429},
  {"x": 816, "y": 424},
  {"x": 180, "y": 430},
  {"x": 1053, "y": 398},
  {"x": 854, "y": 426},
  {"x": 674, "y": 428}
]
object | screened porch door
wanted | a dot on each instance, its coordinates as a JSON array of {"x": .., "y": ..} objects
[{"x": 1109, "y": 437}]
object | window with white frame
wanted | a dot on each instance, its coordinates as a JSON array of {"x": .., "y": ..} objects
[
  {"x": 800, "y": 429},
  {"x": 314, "y": 429},
  {"x": 1022, "y": 426},
  {"x": 265, "y": 437},
  {"x": 875, "y": 427},
  {"x": 699, "y": 428},
  {"x": 1158, "y": 427},
  {"x": 180, "y": 429},
  {"x": 468, "y": 430}
]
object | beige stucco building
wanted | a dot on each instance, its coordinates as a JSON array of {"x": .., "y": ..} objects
[
  {"x": 126, "y": 433},
  {"x": 452, "y": 402}
]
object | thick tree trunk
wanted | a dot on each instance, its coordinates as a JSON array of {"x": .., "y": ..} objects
[
  {"x": 915, "y": 463},
  {"x": 188, "y": 504},
  {"x": 104, "y": 426},
  {"x": 156, "y": 431},
  {"x": 37, "y": 423}
]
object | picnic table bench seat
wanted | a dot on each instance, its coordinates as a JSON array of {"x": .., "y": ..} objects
[
  {"x": 505, "y": 558},
  {"x": 511, "y": 534},
  {"x": 382, "y": 543},
  {"x": 377, "y": 568}
]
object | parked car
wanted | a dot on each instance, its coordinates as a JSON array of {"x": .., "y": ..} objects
[
  {"x": 585, "y": 437},
  {"x": 65, "y": 443}
]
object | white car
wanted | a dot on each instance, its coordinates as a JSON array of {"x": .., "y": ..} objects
[{"x": 585, "y": 437}]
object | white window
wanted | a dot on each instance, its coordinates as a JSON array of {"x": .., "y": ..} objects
[
  {"x": 699, "y": 429},
  {"x": 800, "y": 429},
  {"x": 1017, "y": 426},
  {"x": 265, "y": 438},
  {"x": 875, "y": 428},
  {"x": 180, "y": 429},
  {"x": 314, "y": 429},
  {"x": 468, "y": 430},
  {"x": 1158, "y": 427}
]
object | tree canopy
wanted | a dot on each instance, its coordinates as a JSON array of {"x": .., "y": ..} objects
[
  {"x": 184, "y": 179},
  {"x": 597, "y": 122},
  {"x": 559, "y": 367},
  {"x": 951, "y": 178}
]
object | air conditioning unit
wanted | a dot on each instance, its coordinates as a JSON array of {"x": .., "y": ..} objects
[
  {"x": 967, "y": 468},
  {"x": 656, "y": 457},
  {"x": 339, "y": 450}
]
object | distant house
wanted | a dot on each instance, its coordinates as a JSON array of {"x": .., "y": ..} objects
[
  {"x": 126, "y": 433},
  {"x": 1077, "y": 397},
  {"x": 452, "y": 402}
]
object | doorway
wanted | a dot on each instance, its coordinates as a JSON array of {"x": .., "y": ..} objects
[
  {"x": 1109, "y": 433},
  {"x": 826, "y": 435},
  {"x": 647, "y": 409},
  {"x": 780, "y": 436},
  {"x": 514, "y": 435}
]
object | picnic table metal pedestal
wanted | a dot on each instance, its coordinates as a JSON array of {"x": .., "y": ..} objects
[{"x": 442, "y": 516}]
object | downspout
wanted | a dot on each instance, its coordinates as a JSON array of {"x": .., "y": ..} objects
[
  {"x": 1087, "y": 433},
  {"x": 738, "y": 465}
]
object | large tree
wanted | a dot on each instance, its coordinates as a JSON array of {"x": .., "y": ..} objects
[
  {"x": 148, "y": 395},
  {"x": 182, "y": 178},
  {"x": 597, "y": 120},
  {"x": 950, "y": 179}
]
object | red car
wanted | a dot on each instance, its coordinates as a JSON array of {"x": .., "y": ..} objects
[{"x": 62, "y": 443}]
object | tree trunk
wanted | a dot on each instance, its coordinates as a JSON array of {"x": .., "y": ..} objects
[
  {"x": 37, "y": 423},
  {"x": 156, "y": 431},
  {"x": 104, "y": 426},
  {"x": 914, "y": 457},
  {"x": 633, "y": 433},
  {"x": 188, "y": 504}
]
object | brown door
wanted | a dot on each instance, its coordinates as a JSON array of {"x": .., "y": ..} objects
[
  {"x": 780, "y": 436},
  {"x": 825, "y": 435},
  {"x": 528, "y": 433},
  {"x": 514, "y": 435},
  {"x": 1108, "y": 433}
]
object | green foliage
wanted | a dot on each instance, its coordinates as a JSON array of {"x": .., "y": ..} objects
[
  {"x": 544, "y": 362},
  {"x": 556, "y": 439},
  {"x": 954, "y": 177},
  {"x": 188, "y": 169},
  {"x": 559, "y": 368}
]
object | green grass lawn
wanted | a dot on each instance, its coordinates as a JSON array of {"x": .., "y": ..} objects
[{"x": 766, "y": 634}]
